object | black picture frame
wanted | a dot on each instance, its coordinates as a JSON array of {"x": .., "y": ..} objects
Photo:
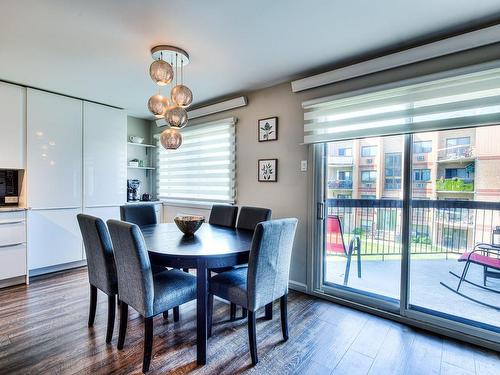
[
  {"x": 261, "y": 174},
  {"x": 262, "y": 134}
]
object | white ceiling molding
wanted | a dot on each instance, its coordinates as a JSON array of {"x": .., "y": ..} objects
[
  {"x": 439, "y": 48},
  {"x": 211, "y": 109}
]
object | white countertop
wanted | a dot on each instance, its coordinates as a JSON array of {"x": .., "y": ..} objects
[{"x": 11, "y": 208}]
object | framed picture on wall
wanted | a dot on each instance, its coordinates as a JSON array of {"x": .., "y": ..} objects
[
  {"x": 268, "y": 129},
  {"x": 268, "y": 170}
]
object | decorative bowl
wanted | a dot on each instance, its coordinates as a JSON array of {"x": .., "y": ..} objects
[
  {"x": 136, "y": 139},
  {"x": 188, "y": 224}
]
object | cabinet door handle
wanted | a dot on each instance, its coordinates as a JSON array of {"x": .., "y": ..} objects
[
  {"x": 12, "y": 244},
  {"x": 12, "y": 221}
]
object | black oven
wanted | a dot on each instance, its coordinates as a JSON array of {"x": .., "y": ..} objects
[{"x": 9, "y": 191}]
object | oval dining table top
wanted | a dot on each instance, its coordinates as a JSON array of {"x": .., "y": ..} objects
[{"x": 208, "y": 241}]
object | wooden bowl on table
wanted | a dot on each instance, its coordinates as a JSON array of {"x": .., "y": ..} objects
[{"x": 189, "y": 224}]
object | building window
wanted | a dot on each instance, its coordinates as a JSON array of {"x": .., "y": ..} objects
[
  {"x": 368, "y": 151},
  {"x": 422, "y": 175},
  {"x": 368, "y": 196},
  {"x": 368, "y": 177},
  {"x": 422, "y": 147},
  {"x": 456, "y": 172},
  {"x": 345, "y": 151},
  {"x": 344, "y": 175},
  {"x": 393, "y": 171},
  {"x": 203, "y": 168},
  {"x": 456, "y": 147}
]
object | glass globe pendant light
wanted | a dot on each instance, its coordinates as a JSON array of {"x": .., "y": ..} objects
[
  {"x": 161, "y": 72},
  {"x": 182, "y": 96},
  {"x": 171, "y": 139},
  {"x": 176, "y": 117},
  {"x": 158, "y": 105}
]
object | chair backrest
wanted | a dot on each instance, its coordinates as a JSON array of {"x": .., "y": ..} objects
[
  {"x": 223, "y": 215},
  {"x": 138, "y": 213},
  {"x": 135, "y": 280},
  {"x": 334, "y": 236},
  {"x": 269, "y": 262},
  {"x": 99, "y": 251},
  {"x": 251, "y": 216}
]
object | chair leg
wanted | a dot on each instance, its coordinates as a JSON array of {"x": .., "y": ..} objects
[
  {"x": 232, "y": 312},
  {"x": 148, "y": 343},
  {"x": 165, "y": 315},
  {"x": 176, "y": 314},
  {"x": 252, "y": 337},
  {"x": 93, "y": 305},
  {"x": 464, "y": 273},
  {"x": 284, "y": 316},
  {"x": 347, "y": 268},
  {"x": 123, "y": 324},
  {"x": 359, "y": 260},
  {"x": 111, "y": 318},
  {"x": 269, "y": 311},
  {"x": 244, "y": 313},
  {"x": 210, "y": 313}
]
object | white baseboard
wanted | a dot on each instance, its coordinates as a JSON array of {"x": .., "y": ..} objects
[
  {"x": 57, "y": 268},
  {"x": 298, "y": 286}
]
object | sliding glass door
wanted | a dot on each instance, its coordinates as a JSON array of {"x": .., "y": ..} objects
[
  {"x": 362, "y": 226},
  {"x": 455, "y": 208},
  {"x": 381, "y": 232}
]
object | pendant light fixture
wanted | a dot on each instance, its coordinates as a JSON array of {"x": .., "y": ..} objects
[{"x": 167, "y": 67}]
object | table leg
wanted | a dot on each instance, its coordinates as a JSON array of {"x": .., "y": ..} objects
[{"x": 201, "y": 312}]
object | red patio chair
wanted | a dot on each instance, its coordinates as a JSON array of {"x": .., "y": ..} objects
[
  {"x": 484, "y": 255},
  {"x": 335, "y": 244}
]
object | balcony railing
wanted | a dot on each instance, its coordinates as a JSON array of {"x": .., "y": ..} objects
[
  {"x": 455, "y": 184},
  {"x": 437, "y": 226},
  {"x": 456, "y": 153},
  {"x": 340, "y": 160},
  {"x": 340, "y": 184}
]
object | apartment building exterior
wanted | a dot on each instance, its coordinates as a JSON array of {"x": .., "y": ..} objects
[{"x": 450, "y": 165}]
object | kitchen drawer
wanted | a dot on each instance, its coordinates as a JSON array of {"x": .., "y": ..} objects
[
  {"x": 12, "y": 228},
  {"x": 12, "y": 261}
]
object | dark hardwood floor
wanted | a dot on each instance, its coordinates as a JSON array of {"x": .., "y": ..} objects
[{"x": 43, "y": 330}]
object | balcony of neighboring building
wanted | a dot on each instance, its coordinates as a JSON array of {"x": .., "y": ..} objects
[
  {"x": 457, "y": 154},
  {"x": 340, "y": 185},
  {"x": 340, "y": 160}
]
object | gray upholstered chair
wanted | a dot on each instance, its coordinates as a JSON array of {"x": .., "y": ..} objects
[
  {"x": 138, "y": 213},
  {"x": 150, "y": 294},
  {"x": 144, "y": 214},
  {"x": 248, "y": 220},
  {"x": 100, "y": 267},
  {"x": 223, "y": 215},
  {"x": 263, "y": 281},
  {"x": 251, "y": 216}
]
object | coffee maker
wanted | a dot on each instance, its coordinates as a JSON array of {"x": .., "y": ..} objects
[{"x": 133, "y": 186}]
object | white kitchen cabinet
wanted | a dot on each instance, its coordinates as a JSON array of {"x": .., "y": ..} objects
[
  {"x": 12, "y": 246},
  {"x": 53, "y": 237},
  {"x": 54, "y": 142},
  {"x": 104, "y": 156},
  {"x": 13, "y": 125}
]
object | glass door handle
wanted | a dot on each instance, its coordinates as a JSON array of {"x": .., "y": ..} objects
[{"x": 320, "y": 214}]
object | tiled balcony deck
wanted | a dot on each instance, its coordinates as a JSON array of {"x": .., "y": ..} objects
[{"x": 427, "y": 271}]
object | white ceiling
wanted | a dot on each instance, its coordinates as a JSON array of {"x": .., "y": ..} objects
[{"x": 99, "y": 49}]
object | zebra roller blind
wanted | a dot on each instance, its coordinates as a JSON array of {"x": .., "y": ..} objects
[
  {"x": 203, "y": 168},
  {"x": 459, "y": 100}
]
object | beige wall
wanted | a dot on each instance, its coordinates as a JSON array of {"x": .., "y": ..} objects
[{"x": 289, "y": 196}]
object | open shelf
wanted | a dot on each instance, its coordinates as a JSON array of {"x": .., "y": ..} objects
[
  {"x": 141, "y": 144},
  {"x": 147, "y": 168}
]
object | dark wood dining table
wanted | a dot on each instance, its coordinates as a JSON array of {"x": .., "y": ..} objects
[{"x": 211, "y": 247}]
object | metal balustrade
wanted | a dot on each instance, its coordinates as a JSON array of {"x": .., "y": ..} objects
[{"x": 437, "y": 226}]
